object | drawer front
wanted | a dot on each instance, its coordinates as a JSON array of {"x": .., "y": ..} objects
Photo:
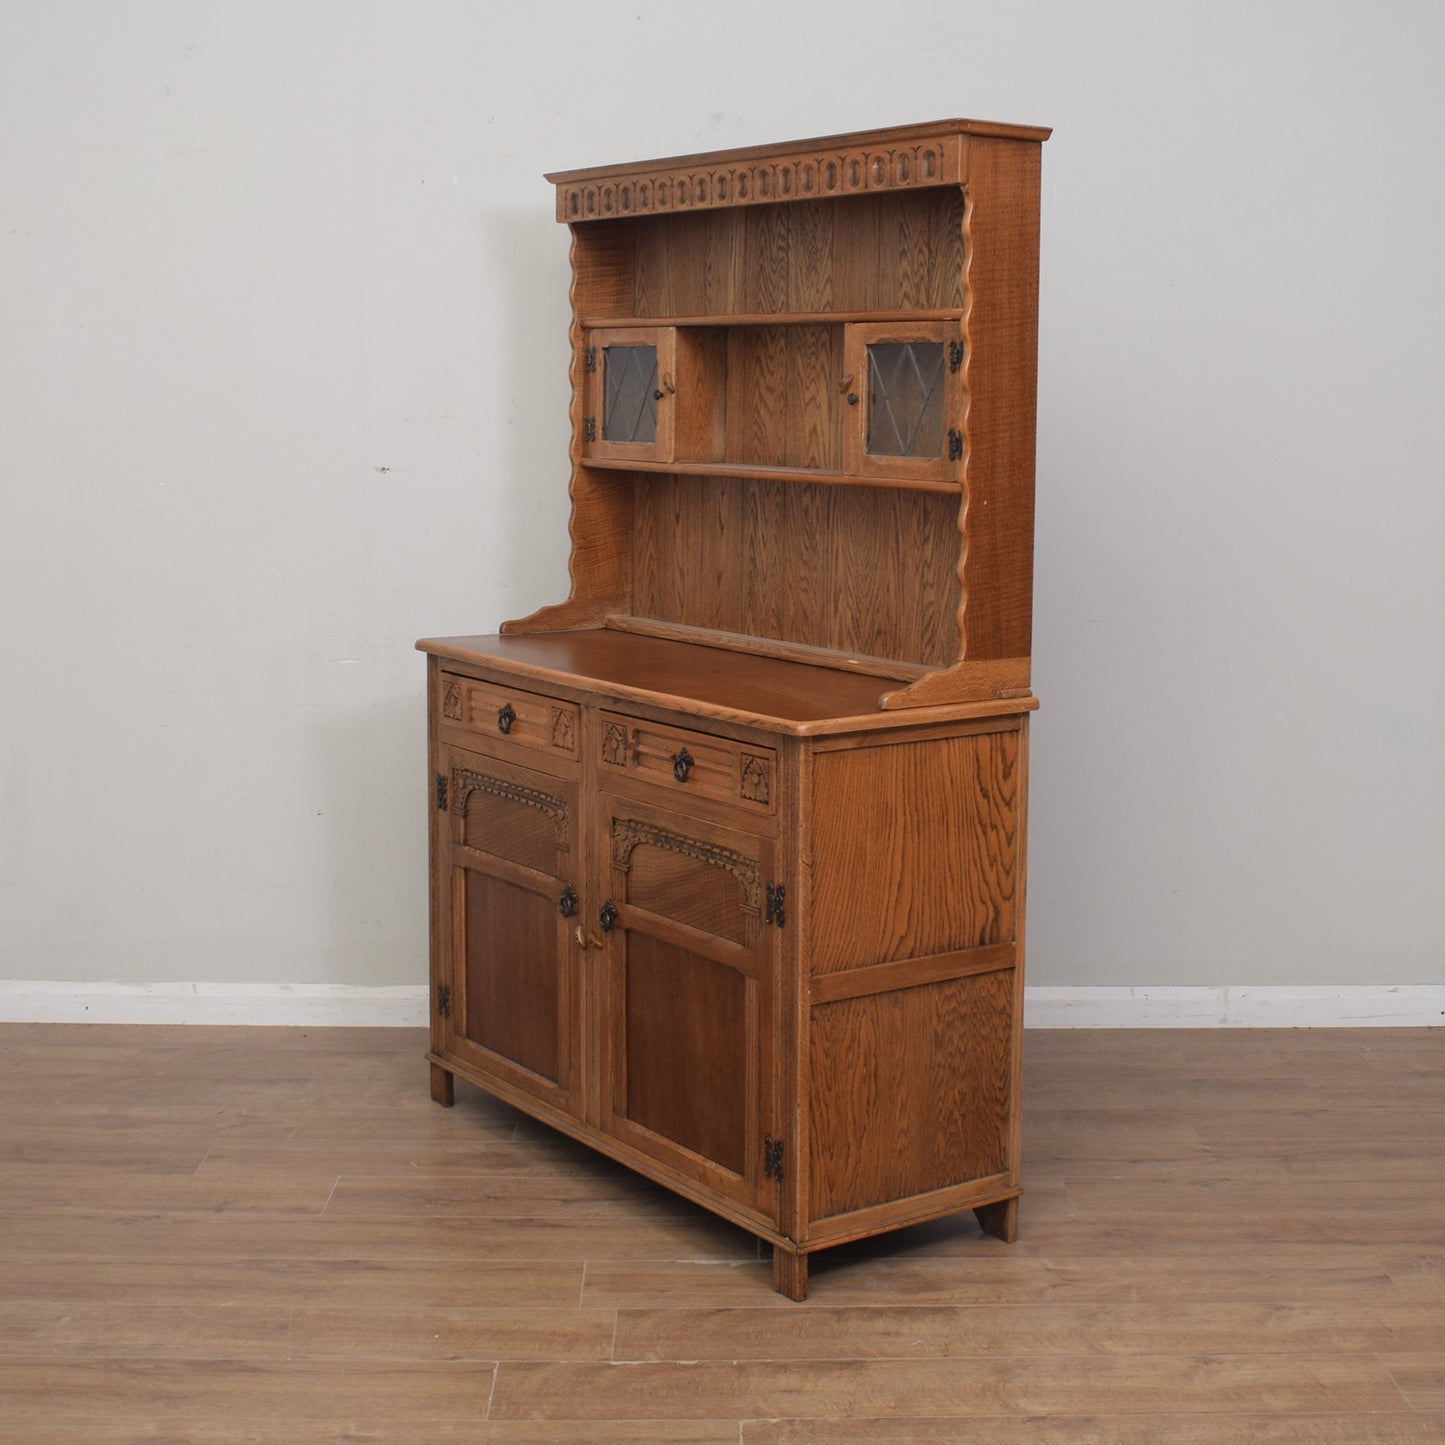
[
  {"x": 511, "y": 719},
  {"x": 689, "y": 764}
]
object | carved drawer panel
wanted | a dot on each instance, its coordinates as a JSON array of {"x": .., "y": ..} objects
[
  {"x": 688, "y": 763},
  {"x": 514, "y": 722}
]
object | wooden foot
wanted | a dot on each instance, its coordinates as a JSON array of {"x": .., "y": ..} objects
[
  {"x": 790, "y": 1273},
  {"x": 1000, "y": 1220},
  {"x": 443, "y": 1088}
]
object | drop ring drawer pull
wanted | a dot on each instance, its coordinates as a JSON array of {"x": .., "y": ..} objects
[
  {"x": 505, "y": 718},
  {"x": 682, "y": 762}
]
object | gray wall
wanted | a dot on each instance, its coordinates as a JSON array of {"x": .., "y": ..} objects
[{"x": 284, "y": 344}]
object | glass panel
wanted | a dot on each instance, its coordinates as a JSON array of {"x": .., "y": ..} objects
[
  {"x": 629, "y": 410},
  {"x": 905, "y": 399}
]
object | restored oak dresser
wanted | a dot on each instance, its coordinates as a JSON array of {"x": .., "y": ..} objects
[{"x": 728, "y": 848}]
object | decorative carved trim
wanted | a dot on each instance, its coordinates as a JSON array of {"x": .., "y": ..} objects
[
  {"x": 564, "y": 735},
  {"x": 964, "y": 424},
  {"x": 452, "y": 701},
  {"x": 616, "y": 749},
  {"x": 628, "y": 834},
  {"x": 465, "y": 782},
  {"x": 756, "y": 783},
  {"x": 805, "y": 177}
]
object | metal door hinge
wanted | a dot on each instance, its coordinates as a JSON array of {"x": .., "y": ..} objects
[
  {"x": 589, "y": 359},
  {"x": 441, "y": 792},
  {"x": 955, "y": 355},
  {"x": 589, "y": 429},
  {"x": 772, "y": 1158},
  {"x": 444, "y": 1000},
  {"x": 774, "y": 913},
  {"x": 955, "y": 444}
]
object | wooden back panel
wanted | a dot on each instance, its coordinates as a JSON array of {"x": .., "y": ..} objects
[{"x": 856, "y": 570}]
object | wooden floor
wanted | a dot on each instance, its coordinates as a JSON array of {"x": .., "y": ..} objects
[{"x": 244, "y": 1234}]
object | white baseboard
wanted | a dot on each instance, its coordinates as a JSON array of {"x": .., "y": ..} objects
[
  {"x": 323, "y": 1005},
  {"x": 1308, "y": 1007}
]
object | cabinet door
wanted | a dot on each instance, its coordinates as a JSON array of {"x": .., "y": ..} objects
[
  {"x": 630, "y": 390},
  {"x": 689, "y": 1005},
  {"x": 510, "y": 889}
]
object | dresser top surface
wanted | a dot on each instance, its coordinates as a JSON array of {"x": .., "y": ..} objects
[{"x": 770, "y": 692}]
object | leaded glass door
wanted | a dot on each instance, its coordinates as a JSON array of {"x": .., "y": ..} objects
[
  {"x": 631, "y": 382},
  {"x": 907, "y": 394}
]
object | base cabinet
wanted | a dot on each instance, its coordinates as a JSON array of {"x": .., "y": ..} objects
[{"x": 780, "y": 974}]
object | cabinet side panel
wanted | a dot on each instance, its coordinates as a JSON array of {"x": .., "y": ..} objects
[
  {"x": 1002, "y": 343},
  {"x": 910, "y": 1092},
  {"x": 915, "y": 849}
]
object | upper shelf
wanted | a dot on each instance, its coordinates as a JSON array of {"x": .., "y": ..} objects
[{"x": 776, "y": 318}]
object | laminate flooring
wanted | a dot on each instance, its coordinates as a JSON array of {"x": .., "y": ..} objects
[{"x": 227, "y": 1234}]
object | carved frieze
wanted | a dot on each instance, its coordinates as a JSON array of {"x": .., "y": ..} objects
[
  {"x": 804, "y": 177},
  {"x": 628, "y": 834},
  {"x": 465, "y": 782}
]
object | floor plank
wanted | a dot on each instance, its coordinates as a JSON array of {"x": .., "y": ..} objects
[{"x": 274, "y": 1235}]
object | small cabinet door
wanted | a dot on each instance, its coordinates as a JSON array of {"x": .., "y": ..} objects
[
  {"x": 509, "y": 888},
  {"x": 907, "y": 400},
  {"x": 689, "y": 1005},
  {"x": 630, "y": 386}
]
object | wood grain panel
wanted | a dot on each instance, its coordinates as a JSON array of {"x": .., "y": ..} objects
[
  {"x": 810, "y": 256},
  {"x": 512, "y": 984},
  {"x": 1002, "y": 369},
  {"x": 686, "y": 1049},
  {"x": 914, "y": 849},
  {"x": 822, "y": 566},
  {"x": 813, "y": 434},
  {"x": 909, "y": 1091},
  {"x": 766, "y": 244}
]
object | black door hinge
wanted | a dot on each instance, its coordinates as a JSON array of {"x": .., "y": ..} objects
[
  {"x": 589, "y": 359},
  {"x": 444, "y": 1000},
  {"x": 774, "y": 915},
  {"x": 955, "y": 355},
  {"x": 589, "y": 429},
  {"x": 772, "y": 1158},
  {"x": 441, "y": 793},
  {"x": 955, "y": 444}
]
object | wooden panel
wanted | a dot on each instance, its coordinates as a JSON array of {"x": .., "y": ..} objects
[
  {"x": 758, "y": 377},
  {"x": 704, "y": 878},
  {"x": 1002, "y": 367},
  {"x": 526, "y": 825},
  {"x": 859, "y": 571},
  {"x": 909, "y": 1091},
  {"x": 810, "y": 256},
  {"x": 915, "y": 849},
  {"x": 511, "y": 979},
  {"x": 686, "y": 1050},
  {"x": 814, "y": 404},
  {"x": 766, "y": 245}
]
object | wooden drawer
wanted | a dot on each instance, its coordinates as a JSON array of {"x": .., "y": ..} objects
[
  {"x": 688, "y": 763},
  {"x": 516, "y": 723}
]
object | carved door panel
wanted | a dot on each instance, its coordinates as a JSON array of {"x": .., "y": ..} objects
[
  {"x": 689, "y": 998},
  {"x": 512, "y": 1007}
]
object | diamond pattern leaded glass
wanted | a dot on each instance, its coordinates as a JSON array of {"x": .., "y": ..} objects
[
  {"x": 629, "y": 411},
  {"x": 905, "y": 399}
]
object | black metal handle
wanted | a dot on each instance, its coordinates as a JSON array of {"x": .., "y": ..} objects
[
  {"x": 567, "y": 903},
  {"x": 657, "y": 396},
  {"x": 607, "y": 917},
  {"x": 682, "y": 763},
  {"x": 852, "y": 398},
  {"x": 506, "y": 718}
]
